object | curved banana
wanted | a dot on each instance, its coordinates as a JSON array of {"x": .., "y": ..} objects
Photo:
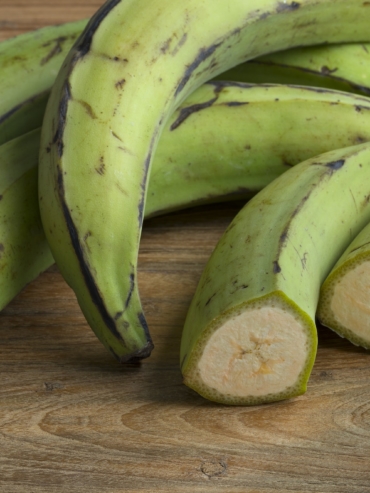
[
  {"x": 343, "y": 67},
  {"x": 29, "y": 64},
  {"x": 344, "y": 303},
  {"x": 132, "y": 66},
  {"x": 229, "y": 139},
  {"x": 24, "y": 251},
  {"x": 250, "y": 335},
  {"x": 206, "y": 153}
]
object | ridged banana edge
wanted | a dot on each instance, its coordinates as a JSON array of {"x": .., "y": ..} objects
[
  {"x": 220, "y": 144},
  {"x": 250, "y": 336},
  {"x": 344, "y": 304}
]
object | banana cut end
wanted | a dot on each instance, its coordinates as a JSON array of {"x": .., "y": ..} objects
[
  {"x": 258, "y": 354},
  {"x": 344, "y": 303}
]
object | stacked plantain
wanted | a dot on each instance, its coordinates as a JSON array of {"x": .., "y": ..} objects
[{"x": 130, "y": 108}]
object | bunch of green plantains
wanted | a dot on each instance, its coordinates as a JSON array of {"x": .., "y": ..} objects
[{"x": 268, "y": 102}]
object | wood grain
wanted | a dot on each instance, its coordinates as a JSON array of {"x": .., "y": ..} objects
[{"x": 73, "y": 420}]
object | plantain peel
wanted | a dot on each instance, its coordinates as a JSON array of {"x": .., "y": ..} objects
[
  {"x": 201, "y": 157},
  {"x": 135, "y": 62},
  {"x": 250, "y": 335},
  {"x": 344, "y": 303}
]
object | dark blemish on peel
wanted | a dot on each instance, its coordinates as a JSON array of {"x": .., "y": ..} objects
[
  {"x": 210, "y": 299},
  {"x": 88, "y": 109},
  {"x": 189, "y": 110},
  {"x": 164, "y": 48},
  {"x": 87, "y": 235},
  {"x": 144, "y": 325},
  {"x": 283, "y": 236},
  {"x": 118, "y": 315},
  {"x": 132, "y": 286},
  {"x": 304, "y": 260},
  {"x": 116, "y": 136},
  {"x": 203, "y": 54},
  {"x": 236, "y": 103},
  {"x": 83, "y": 45},
  {"x": 276, "y": 267},
  {"x": 120, "y": 83},
  {"x": 358, "y": 248},
  {"x": 327, "y": 71},
  {"x": 336, "y": 164},
  {"x": 282, "y": 7},
  {"x": 101, "y": 168},
  {"x": 300, "y": 205},
  {"x": 63, "y": 106},
  {"x": 55, "y": 50},
  {"x": 179, "y": 44}
]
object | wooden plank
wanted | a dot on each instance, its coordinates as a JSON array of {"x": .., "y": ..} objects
[{"x": 73, "y": 420}]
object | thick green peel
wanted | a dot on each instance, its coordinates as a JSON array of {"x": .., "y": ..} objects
[
  {"x": 344, "y": 304},
  {"x": 281, "y": 242},
  {"x": 229, "y": 149}
]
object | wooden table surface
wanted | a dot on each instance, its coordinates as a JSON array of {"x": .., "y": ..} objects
[{"x": 73, "y": 420}]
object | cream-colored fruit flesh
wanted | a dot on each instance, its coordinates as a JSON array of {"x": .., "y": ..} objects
[
  {"x": 252, "y": 353},
  {"x": 350, "y": 303}
]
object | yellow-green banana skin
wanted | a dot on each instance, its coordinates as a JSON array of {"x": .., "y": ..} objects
[
  {"x": 228, "y": 140},
  {"x": 276, "y": 254},
  {"x": 135, "y": 62},
  {"x": 210, "y": 150},
  {"x": 343, "y": 67},
  {"x": 29, "y": 64}
]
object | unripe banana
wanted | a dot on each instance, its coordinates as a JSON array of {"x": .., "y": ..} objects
[
  {"x": 207, "y": 152},
  {"x": 133, "y": 65},
  {"x": 229, "y": 140},
  {"x": 250, "y": 335},
  {"x": 29, "y": 64},
  {"x": 24, "y": 251},
  {"x": 344, "y": 304},
  {"x": 344, "y": 67}
]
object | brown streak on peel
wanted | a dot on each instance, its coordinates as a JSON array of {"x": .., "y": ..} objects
[
  {"x": 120, "y": 84},
  {"x": 55, "y": 50},
  {"x": 101, "y": 169},
  {"x": 88, "y": 108},
  {"x": 189, "y": 110},
  {"x": 210, "y": 299},
  {"x": 179, "y": 44},
  {"x": 327, "y": 71},
  {"x": 63, "y": 106},
  {"x": 116, "y": 136}
]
